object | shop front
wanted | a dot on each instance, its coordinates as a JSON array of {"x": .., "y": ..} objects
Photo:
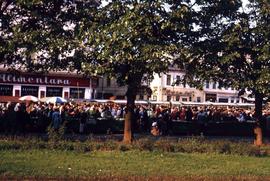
[{"x": 63, "y": 85}]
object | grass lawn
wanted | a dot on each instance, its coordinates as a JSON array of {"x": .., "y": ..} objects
[{"x": 53, "y": 164}]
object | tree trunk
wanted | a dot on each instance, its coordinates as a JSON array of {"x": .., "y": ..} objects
[
  {"x": 258, "y": 141},
  {"x": 131, "y": 96}
]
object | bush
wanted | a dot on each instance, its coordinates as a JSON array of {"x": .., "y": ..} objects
[
  {"x": 184, "y": 145},
  {"x": 110, "y": 145},
  {"x": 123, "y": 147},
  {"x": 193, "y": 145},
  {"x": 144, "y": 144},
  {"x": 82, "y": 147},
  {"x": 246, "y": 149},
  {"x": 56, "y": 135},
  {"x": 165, "y": 145}
]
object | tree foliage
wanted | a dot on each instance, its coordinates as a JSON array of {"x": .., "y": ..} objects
[
  {"x": 42, "y": 35},
  {"x": 133, "y": 40},
  {"x": 232, "y": 45}
]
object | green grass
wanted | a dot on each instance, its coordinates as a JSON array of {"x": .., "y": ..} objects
[{"x": 49, "y": 163}]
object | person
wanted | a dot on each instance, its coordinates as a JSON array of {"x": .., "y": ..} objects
[
  {"x": 83, "y": 118},
  {"x": 155, "y": 130},
  {"x": 201, "y": 117},
  {"x": 189, "y": 115},
  {"x": 56, "y": 119},
  {"x": 182, "y": 114}
]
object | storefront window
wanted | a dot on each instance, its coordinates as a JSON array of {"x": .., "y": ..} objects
[
  {"x": 6, "y": 90},
  {"x": 168, "y": 80},
  {"x": 211, "y": 97},
  {"x": 224, "y": 100},
  {"x": 77, "y": 93},
  {"x": 29, "y": 90},
  {"x": 54, "y": 91}
]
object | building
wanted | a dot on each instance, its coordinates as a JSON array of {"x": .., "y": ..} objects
[
  {"x": 62, "y": 84},
  {"x": 108, "y": 88},
  {"x": 166, "y": 87}
]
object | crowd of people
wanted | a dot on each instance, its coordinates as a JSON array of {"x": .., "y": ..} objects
[{"x": 17, "y": 118}]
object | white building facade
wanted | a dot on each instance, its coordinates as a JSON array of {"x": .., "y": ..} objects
[{"x": 165, "y": 88}]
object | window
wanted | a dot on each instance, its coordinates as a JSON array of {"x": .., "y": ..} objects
[
  {"x": 93, "y": 94},
  {"x": 141, "y": 97},
  {"x": 108, "y": 82},
  {"x": 211, "y": 97},
  {"x": 177, "y": 79},
  {"x": 168, "y": 80},
  {"x": 77, "y": 93},
  {"x": 54, "y": 91},
  {"x": 214, "y": 85},
  {"x": 177, "y": 98},
  {"x": 29, "y": 90},
  {"x": 184, "y": 99},
  {"x": 198, "y": 99},
  {"x": 207, "y": 85},
  {"x": 225, "y": 100},
  {"x": 6, "y": 90},
  {"x": 169, "y": 98}
]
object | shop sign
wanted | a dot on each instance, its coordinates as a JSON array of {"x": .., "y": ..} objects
[{"x": 43, "y": 80}]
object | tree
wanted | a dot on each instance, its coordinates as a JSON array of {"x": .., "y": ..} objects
[
  {"x": 133, "y": 39},
  {"x": 232, "y": 47},
  {"x": 43, "y": 35}
]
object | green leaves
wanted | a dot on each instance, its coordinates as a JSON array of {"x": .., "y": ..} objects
[
  {"x": 45, "y": 30},
  {"x": 131, "y": 40},
  {"x": 232, "y": 44}
]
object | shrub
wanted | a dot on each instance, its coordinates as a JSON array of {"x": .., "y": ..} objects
[
  {"x": 165, "y": 145},
  {"x": 123, "y": 147},
  {"x": 184, "y": 145},
  {"x": 225, "y": 148},
  {"x": 246, "y": 149},
  {"x": 82, "y": 147},
  {"x": 144, "y": 144},
  {"x": 193, "y": 145},
  {"x": 9, "y": 145},
  {"x": 56, "y": 135},
  {"x": 110, "y": 145}
]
